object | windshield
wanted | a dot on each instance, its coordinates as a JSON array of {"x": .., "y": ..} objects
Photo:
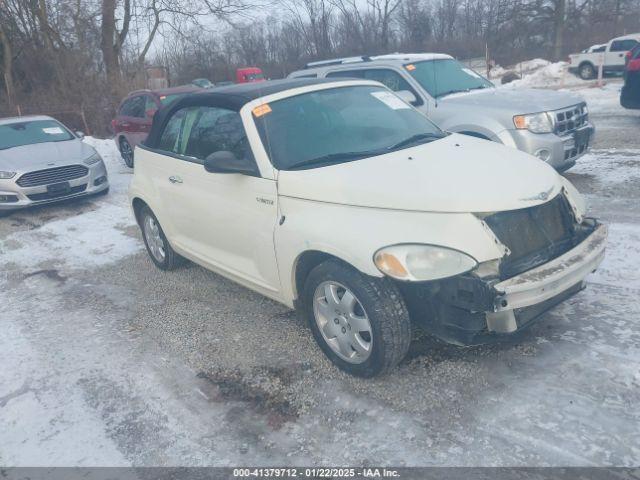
[
  {"x": 338, "y": 125},
  {"x": 446, "y": 76},
  {"x": 30, "y": 132}
]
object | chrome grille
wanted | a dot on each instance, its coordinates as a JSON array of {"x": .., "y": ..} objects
[
  {"x": 570, "y": 119},
  {"x": 52, "y": 175}
]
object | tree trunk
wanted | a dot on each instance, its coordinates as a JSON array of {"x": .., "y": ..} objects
[
  {"x": 559, "y": 21},
  {"x": 108, "y": 45},
  {"x": 7, "y": 67}
]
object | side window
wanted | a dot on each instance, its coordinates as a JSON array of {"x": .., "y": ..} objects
[
  {"x": 125, "y": 107},
  {"x": 623, "y": 45},
  {"x": 134, "y": 107},
  {"x": 347, "y": 74},
  {"x": 390, "y": 79},
  {"x": 149, "y": 104},
  {"x": 170, "y": 138},
  {"x": 217, "y": 129}
]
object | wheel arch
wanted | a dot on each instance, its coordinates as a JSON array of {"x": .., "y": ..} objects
[
  {"x": 306, "y": 261},
  {"x": 137, "y": 204}
]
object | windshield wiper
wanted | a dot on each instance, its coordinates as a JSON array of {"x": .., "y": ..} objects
[
  {"x": 418, "y": 138},
  {"x": 333, "y": 158}
]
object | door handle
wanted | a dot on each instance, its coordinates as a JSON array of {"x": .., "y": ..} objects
[
  {"x": 125, "y": 124},
  {"x": 175, "y": 179}
]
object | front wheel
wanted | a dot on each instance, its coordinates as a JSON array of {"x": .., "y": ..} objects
[
  {"x": 361, "y": 323},
  {"x": 126, "y": 152}
]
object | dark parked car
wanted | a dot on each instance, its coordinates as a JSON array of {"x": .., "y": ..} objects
[
  {"x": 135, "y": 114},
  {"x": 630, "y": 95}
]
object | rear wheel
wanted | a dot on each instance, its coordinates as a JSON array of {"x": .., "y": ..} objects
[
  {"x": 361, "y": 323},
  {"x": 587, "y": 71},
  {"x": 126, "y": 152},
  {"x": 161, "y": 253}
]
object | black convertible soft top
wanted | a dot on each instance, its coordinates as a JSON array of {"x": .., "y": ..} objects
[{"x": 232, "y": 97}]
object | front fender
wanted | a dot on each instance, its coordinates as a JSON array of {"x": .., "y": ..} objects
[{"x": 354, "y": 234}]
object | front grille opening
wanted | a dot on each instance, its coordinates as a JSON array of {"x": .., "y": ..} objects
[
  {"x": 568, "y": 121},
  {"x": 534, "y": 235},
  {"x": 52, "y": 175}
]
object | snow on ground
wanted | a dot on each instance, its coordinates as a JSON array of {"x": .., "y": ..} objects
[
  {"x": 540, "y": 73},
  {"x": 96, "y": 236}
]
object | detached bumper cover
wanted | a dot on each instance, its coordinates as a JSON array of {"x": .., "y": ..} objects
[{"x": 546, "y": 281}]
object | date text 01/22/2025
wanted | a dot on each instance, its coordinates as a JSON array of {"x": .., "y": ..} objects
[{"x": 315, "y": 473}]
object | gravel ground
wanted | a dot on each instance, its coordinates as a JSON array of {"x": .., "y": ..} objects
[{"x": 108, "y": 361}]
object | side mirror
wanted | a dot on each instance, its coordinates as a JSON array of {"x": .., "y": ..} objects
[
  {"x": 151, "y": 112},
  {"x": 407, "y": 96},
  {"x": 225, "y": 161},
  {"x": 79, "y": 134}
]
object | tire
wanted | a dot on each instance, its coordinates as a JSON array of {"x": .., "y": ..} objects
[
  {"x": 162, "y": 255},
  {"x": 587, "y": 71},
  {"x": 126, "y": 152},
  {"x": 376, "y": 300}
]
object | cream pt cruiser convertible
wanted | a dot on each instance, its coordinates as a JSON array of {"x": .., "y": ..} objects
[{"x": 339, "y": 199}]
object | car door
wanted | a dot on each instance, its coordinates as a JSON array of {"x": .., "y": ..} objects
[
  {"x": 224, "y": 221},
  {"x": 615, "y": 56}
]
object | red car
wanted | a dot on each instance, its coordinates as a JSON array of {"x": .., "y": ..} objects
[
  {"x": 135, "y": 115},
  {"x": 630, "y": 93}
]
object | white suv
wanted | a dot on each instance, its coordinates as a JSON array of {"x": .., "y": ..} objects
[{"x": 337, "y": 198}]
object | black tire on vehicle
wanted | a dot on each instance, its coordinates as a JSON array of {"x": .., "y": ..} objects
[
  {"x": 158, "y": 247},
  {"x": 587, "y": 71},
  {"x": 376, "y": 299},
  {"x": 126, "y": 152}
]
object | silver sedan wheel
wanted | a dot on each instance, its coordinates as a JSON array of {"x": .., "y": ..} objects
[
  {"x": 342, "y": 321},
  {"x": 154, "y": 240}
]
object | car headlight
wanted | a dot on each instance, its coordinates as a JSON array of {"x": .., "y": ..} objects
[
  {"x": 534, "y": 122},
  {"x": 95, "y": 158},
  {"x": 419, "y": 263},
  {"x": 7, "y": 175}
]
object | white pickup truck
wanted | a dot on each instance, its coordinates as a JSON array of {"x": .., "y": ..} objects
[{"x": 611, "y": 57}]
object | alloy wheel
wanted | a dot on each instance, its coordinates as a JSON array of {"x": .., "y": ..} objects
[
  {"x": 343, "y": 322},
  {"x": 154, "y": 239}
]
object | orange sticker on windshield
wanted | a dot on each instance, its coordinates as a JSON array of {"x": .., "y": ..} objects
[
  {"x": 261, "y": 110},
  {"x": 410, "y": 67}
]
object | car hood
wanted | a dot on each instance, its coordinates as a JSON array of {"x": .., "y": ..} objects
[
  {"x": 44, "y": 155},
  {"x": 516, "y": 101},
  {"x": 455, "y": 174}
]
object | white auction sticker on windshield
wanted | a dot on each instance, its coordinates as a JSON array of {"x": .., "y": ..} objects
[
  {"x": 52, "y": 130},
  {"x": 390, "y": 100}
]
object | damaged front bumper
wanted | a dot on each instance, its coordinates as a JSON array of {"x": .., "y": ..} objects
[
  {"x": 545, "y": 282},
  {"x": 468, "y": 310}
]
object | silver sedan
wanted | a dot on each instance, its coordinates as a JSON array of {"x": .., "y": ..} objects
[{"x": 42, "y": 161}]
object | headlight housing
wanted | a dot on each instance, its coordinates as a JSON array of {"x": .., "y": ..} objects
[
  {"x": 95, "y": 158},
  {"x": 534, "y": 122},
  {"x": 420, "y": 263},
  {"x": 7, "y": 175}
]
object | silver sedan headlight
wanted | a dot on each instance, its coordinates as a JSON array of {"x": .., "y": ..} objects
[
  {"x": 93, "y": 159},
  {"x": 534, "y": 122},
  {"x": 419, "y": 263},
  {"x": 7, "y": 175}
]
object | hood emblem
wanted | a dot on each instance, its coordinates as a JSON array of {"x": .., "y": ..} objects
[{"x": 540, "y": 196}]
